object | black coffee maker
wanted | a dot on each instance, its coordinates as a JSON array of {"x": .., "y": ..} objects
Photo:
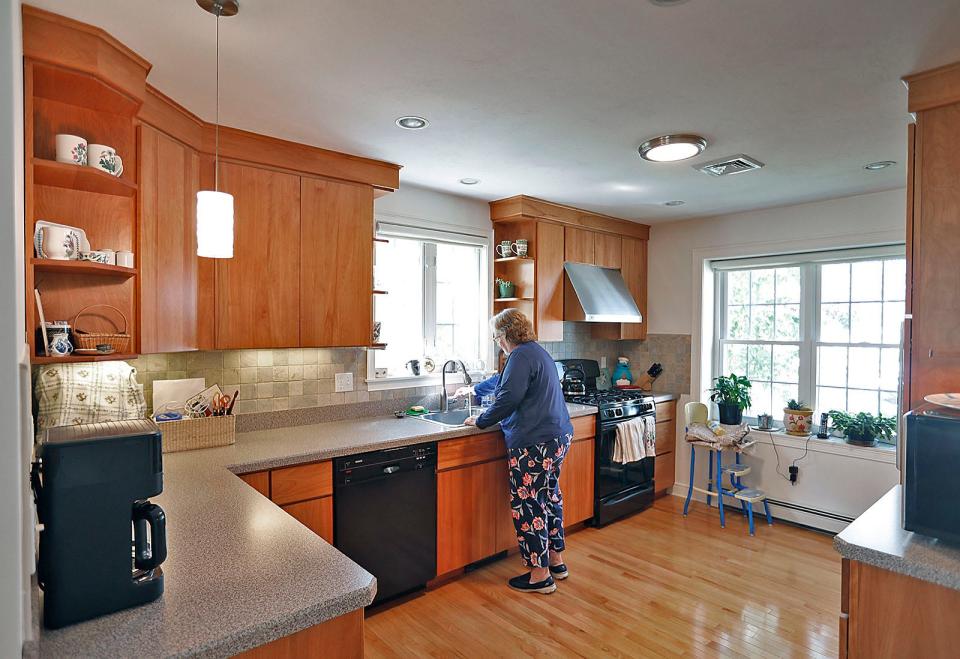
[{"x": 102, "y": 542}]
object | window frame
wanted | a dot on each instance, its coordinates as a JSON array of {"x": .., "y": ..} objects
[
  {"x": 412, "y": 229},
  {"x": 810, "y": 264}
]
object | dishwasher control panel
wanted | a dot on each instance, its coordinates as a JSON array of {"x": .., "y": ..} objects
[{"x": 380, "y": 464}]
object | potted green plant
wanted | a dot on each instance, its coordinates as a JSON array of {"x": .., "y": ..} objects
[
  {"x": 862, "y": 429},
  {"x": 797, "y": 418},
  {"x": 732, "y": 396},
  {"x": 505, "y": 288}
]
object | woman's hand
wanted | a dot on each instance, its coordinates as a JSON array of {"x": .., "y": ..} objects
[
  {"x": 463, "y": 392},
  {"x": 470, "y": 421}
]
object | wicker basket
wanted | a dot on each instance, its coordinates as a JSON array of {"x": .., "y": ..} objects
[
  {"x": 190, "y": 434},
  {"x": 90, "y": 340}
]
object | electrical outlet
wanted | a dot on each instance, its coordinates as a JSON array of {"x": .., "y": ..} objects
[
  {"x": 343, "y": 382},
  {"x": 603, "y": 362}
]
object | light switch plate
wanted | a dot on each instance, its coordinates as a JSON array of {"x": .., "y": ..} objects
[
  {"x": 603, "y": 362},
  {"x": 343, "y": 382}
]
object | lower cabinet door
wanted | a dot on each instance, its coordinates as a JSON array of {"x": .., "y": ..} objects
[
  {"x": 469, "y": 501},
  {"x": 576, "y": 482},
  {"x": 663, "y": 472},
  {"x": 506, "y": 532},
  {"x": 315, "y": 514}
]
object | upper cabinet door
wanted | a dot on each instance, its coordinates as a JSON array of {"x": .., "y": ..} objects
[
  {"x": 336, "y": 256},
  {"x": 634, "y": 270},
  {"x": 258, "y": 290},
  {"x": 578, "y": 245},
  {"x": 607, "y": 249},
  {"x": 169, "y": 180}
]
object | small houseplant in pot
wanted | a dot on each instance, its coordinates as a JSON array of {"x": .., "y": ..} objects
[
  {"x": 732, "y": 396},
  {"x": 505, "y": 288},
  {"x": 797, "y": 417},
  {"x": 862, "y": 429}
]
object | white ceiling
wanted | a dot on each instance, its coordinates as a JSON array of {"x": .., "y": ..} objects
[{"x": 552, "y": 97}]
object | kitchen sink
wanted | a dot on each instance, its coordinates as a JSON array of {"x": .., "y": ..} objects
[{"x": 451, "y": 419}]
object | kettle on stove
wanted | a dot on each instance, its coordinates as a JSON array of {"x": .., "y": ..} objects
[{"x": 573, "y": 382}]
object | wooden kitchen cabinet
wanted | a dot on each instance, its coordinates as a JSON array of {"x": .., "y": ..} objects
[
  {"x": 579, "y": 245},
  {"x": 931, "y": 342},
  {"x": 169, "y": 180},
  {"x": 576, "y": 481},
  {"x": 469, "y": 504},
  {"x": 336, "y": 263},
  {"x": 301, "y": 482},
  {"x": 315, "y": 514},
  {"x": 258, "y": 480},
  {"x": 258, "y": 290},
  {"x": 664, "y": 464},
  {"x": 607, "y": 250}
]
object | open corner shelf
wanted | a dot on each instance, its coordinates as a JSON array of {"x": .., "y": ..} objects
[
  {"x": 82, "y": 268},
  {"x": 41, "y": 359},
  {"x": 514, "y": 259},
  {"x": 76, "y": 177},
  {"x": 513, "y": 299}
]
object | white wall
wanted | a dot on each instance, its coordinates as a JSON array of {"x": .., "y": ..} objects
[
  {"x": 846, "y": 222},
  {"x": 680, "y": 302},
  {"x": 16, "y": 514},
  {"x": 436, "y": 208}
]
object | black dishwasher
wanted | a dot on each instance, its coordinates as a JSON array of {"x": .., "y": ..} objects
[{"x": 385, "y": 515}]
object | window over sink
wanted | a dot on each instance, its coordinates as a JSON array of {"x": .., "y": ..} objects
[
  {"x": 820, "y": 327},
  {"x": 436, "y": 306}
]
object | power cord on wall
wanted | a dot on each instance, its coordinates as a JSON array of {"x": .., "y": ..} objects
[{"x": 793, "y": 469}]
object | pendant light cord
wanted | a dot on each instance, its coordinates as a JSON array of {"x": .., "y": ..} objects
[{"x": 216, "y": 151}]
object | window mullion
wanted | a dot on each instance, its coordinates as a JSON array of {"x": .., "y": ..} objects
[
  {"x": 809, "y": 315},
  {"x": 430, "y": 297}
]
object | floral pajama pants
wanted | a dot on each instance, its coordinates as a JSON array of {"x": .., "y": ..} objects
[{"x": 536, "y": 499}]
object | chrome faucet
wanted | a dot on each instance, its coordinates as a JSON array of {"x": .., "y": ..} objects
[{"x": 467, "y": 380}]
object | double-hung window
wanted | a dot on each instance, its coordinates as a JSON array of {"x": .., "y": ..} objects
[
  {"x": 436, "y": 303},
  {"x": 824, "y": 328}
]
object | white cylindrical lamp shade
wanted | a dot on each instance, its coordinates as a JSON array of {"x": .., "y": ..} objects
[{"x": 214, "y": 224}]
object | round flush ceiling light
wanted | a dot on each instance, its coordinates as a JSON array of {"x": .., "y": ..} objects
[
  {"x": 411, "y": 122},
  {"x": 675, "y": 202},
  {"x": 671, "y": 148},
  {"x": 667, "y": 3},
  {"x": 469, "y": 181},
  {"x": 880, "y": 164}
]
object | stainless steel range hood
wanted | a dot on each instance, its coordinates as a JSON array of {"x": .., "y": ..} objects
[{"x": 602, "y": 293}]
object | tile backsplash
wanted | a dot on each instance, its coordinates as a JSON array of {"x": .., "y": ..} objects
[
  {"x": 271, "y": 380},
  {"x": 671, "y": 350},
  {"x": 300, "y": 378}
]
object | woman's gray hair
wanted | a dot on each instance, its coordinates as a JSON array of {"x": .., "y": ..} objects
[{"x": 514, "y": 326}]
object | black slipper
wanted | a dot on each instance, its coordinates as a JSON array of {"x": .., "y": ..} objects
[
  {"x": 522, "y": 583},
  {"x": 559, "y": 571}
]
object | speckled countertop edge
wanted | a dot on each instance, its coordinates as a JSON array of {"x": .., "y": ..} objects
[
  {"x": 227, "y": 541},
  {"x": 877, "y": 538}
]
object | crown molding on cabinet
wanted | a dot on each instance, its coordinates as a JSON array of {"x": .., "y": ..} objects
[{"x": 523, "y": 206}]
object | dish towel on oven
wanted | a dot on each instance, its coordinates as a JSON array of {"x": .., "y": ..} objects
[{"x": 636, "y": 439}]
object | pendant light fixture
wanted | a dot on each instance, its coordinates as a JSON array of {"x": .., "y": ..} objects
[{"x": 215, "y": 208}]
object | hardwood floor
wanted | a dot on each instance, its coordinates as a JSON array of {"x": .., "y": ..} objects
[{"x": 654, "y": 585}]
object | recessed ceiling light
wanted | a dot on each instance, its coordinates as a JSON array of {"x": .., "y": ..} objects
[
  {"x": 675, "y": 202},
  {"x": 411, "y": 122},
  {"x": 880, "y": 164},
  {"x": 469, "y": 181},
  {"x": 670, "y": 148},
  {"x": 667, "y": 3}
]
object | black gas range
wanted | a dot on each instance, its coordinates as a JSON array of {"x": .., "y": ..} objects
[{"x": 619, "y": 488}]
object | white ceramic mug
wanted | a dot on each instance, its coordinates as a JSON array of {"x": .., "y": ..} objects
[
  {"x": 71, "y": 149},
  {"x": 125, "y": 258},
  {"x": 111, "y": 256},
  {"x": 59, "y": 243},
  {"x": 105, "y": 159}
]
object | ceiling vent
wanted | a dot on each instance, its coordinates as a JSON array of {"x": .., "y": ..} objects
[{"x": 732, "y": 165}]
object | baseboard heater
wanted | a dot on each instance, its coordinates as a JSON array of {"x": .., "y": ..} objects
[{"x": 811, "y": 511}]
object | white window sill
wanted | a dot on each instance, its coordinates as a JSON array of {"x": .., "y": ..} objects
[
  {"x": 414, "y": 381},
  {"x": 880, "y": 453}
]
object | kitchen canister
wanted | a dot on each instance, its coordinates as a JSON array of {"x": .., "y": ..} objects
[{"x": 125, "y": 258}]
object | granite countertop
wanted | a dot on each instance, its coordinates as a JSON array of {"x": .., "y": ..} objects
[
  {"x": 240, "y": 571},
  {"x": 878, "y": 538}
]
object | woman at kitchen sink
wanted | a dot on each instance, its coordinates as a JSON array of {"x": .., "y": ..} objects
[{"x": 530, "y": 409}]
